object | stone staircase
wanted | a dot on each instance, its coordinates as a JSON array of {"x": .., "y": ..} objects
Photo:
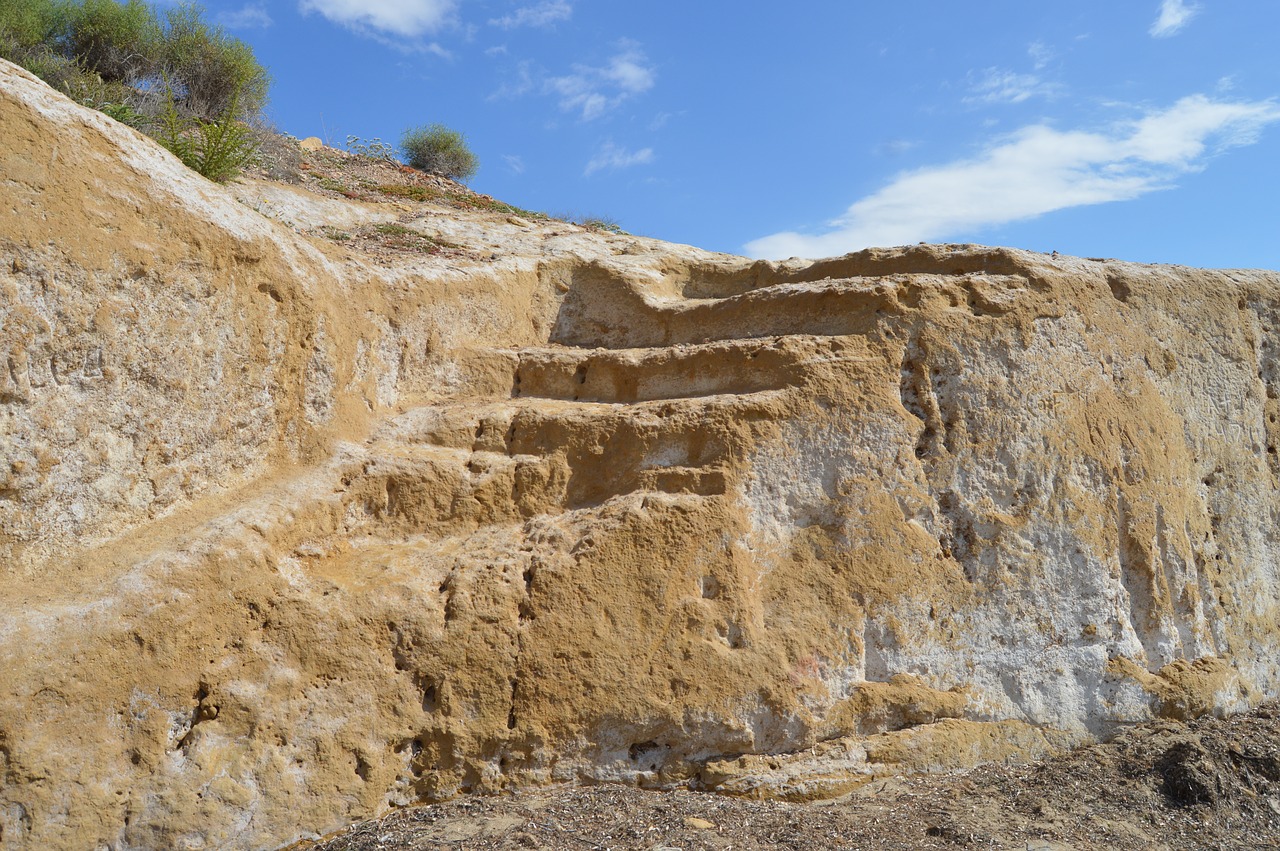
[{"x": 644, "y": 387}]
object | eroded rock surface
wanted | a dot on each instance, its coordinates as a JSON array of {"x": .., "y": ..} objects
[{"x": 290, "y": 536}]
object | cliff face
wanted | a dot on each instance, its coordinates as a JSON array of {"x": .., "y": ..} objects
[{"x": 290, "y": 534}]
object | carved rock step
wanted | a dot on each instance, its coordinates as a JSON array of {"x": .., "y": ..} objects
[
  {"x": 721, "y": 281},
  {"x": 630, "y": 376},
  {"x": 825, "y": 307},
  {"x": 504, "y": 461},
  {"x": 642, "y": 375}
]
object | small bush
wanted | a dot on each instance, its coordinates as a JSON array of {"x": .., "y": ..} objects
[
  {"x": 125, "y": 114},
  {"x": 413, "y": 193},
  {"x": 394, "y": 229},
  {"x": 278, "y": 153},
  {"x": 217, "y": 149},
  {"x": 439, "y": 150},
  {"x": 604, "y": 223},
  {"x": 373, "y": 149},
  {"x": 58, "y": 71},
  {"x": 26, "y": 24},
  {"x": 210, "y": 67}
]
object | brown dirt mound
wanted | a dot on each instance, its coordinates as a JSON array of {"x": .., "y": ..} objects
[{"x": 1209, "y": 784}]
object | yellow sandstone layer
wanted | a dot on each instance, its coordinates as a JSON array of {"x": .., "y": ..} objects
[{"x": 290, "y": 534}]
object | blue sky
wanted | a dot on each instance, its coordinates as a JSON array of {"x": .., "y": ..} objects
[{"x": 1147, "y": 130}]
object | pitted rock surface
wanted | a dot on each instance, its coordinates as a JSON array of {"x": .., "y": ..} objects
[{"x": 290, "y": 535}]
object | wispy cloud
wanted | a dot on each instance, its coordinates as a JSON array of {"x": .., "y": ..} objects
[
  {"x": 251, "y": 16},
  {"x": 402, "y": 18},
  {"x": 1174, "y": 15},
  {"x": 590, "y": 90},
  {"x": 542, "y": 14},
  {"x": 662, "y": 119},
  {"x": 995, "y": 85},
  {"x": 596, "y": 90},
  {"x": 1041, "y": 54},
  {"x": 520, "y": 82},
  {"x": 1034, "y": 171},
  {"x": 514, "y": 162},
  {"x": 895, "y": 147},
  {"x": 611, "y": 156}
]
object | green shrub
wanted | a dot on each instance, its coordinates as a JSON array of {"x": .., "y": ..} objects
[
  {"x": 76, "y": 44},
  {"x": 218, "y": 149},
  {"x": 604, "y": 223},
  {"x": 31, "y": 35},
  {"x": 56, "y": 70},
  {"x": 439, "y": 150},
  {"x": 211, "y": 68},
  {"x": 114, "y": 98},
  {"x": 125, "y": 114},
  {"x": 118, "y": 42},
  {"x": 30, "y": 23}
]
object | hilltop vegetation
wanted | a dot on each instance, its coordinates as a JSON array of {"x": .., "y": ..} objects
[
  {"x": 196, "y": 89},
  {"x": 129, "y": 59},
  {"x": 171, "y": 74}
]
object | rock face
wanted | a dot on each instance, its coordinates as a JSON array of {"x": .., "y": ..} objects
[{"x": 289, "y": 534}]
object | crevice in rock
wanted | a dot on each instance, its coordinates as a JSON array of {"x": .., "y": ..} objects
[
  {"x": 526, "y": 611},
  {"x": 511, "y": 713},
  {"x": 1137, "y": 576},
  {"x": 647, "y": 752},
  {"x": 203, "y": 711},
  {"x": 1119, "y": 287}
]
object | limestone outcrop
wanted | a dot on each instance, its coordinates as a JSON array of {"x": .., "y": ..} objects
[{"x": 290, "y": 534}]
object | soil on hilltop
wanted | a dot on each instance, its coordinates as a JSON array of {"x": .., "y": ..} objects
[
  {"x": 1209, "y": 784},
  {"x": 380, "y": 180}
]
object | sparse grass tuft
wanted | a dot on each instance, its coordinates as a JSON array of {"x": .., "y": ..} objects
[
  {"x": 395, "y": 229},
  {"x": 412, "y": 193},
  {"x": 374, "y": 149},
  {"x": 600, "y": 223}
]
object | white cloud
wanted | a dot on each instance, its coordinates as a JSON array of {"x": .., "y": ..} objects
[
  {"x": 251, "y": 16},
  {"x": 1174, "y": 15},
  {"x": 895, "y": 147},
  {"x": 514, "y": 162},
  {"x": 662, "y": 119},
  {"x": 1041, "y": 54},
  {"x": 542, "y": 14},
  {"x": 612, "y": 157},
  {"x": 597, "y": 90},
  {"x": 998, "y": 86},
  {"x": 1034, "y": 171},
  {"x": 404, "y": 18},
  {"x": 521, "y": 83}
]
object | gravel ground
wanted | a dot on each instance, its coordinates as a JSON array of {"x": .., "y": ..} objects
[{"x": 1209, "y": 784}]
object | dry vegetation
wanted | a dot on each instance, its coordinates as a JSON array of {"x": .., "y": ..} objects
[{"x": 379, "y": 180}]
